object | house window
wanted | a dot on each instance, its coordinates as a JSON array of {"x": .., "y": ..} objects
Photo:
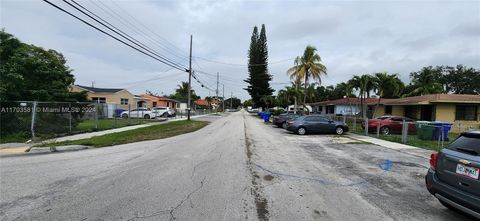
[
  {"x": 466, "y": 112},
  {"x": 388, "y": 110},
  {"x": 123, "y": 101},
  {"x": 178, "y": 105},
  {"x": 154, "y": 104},
  {"x": 99, "y": 99}
]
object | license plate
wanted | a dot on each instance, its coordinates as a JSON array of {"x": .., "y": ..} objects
[{"x": 471, "y": 172}]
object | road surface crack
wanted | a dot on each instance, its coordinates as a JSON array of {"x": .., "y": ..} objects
[
  {"x": 172, "y": 211},
  {"x": 261, "y": 202}
]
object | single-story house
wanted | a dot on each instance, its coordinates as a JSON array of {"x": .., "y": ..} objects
[
  {"x": 203, "y": 104},
  {"x": 157, "y": 101},
  {"x": 121, "y": 98},
  {"x": 459, "y": 109}
]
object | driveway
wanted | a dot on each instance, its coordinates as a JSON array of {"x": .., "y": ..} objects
[{"x": 236, "y": 168}]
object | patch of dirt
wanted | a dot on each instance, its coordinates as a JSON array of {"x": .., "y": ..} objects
[{"x": 268, "y": 177}]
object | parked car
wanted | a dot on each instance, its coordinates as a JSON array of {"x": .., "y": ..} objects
[
  {"x": 163, "y": 111},
  {"x": 453, "y": 177},
  {"x": 315, "y": 124},
  {"x": 281, "y": 120},
  {"x": 140, "y": 112},
  {"x": 390, "y": 124}
]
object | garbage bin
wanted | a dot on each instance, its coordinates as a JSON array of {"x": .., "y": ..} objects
[
  {"x": 260, "y": 114},
  {"x": 424, "y": 130},
  {"x": 266, "y": 117},
  {"x": 441, "y": 128},
  {"x": 118, "y": 112}
]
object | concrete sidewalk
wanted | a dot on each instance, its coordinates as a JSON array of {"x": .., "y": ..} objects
[{"x": 415, "y": 151}]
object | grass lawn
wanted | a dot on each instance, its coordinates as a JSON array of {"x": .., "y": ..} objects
[
  {"x": 147, "y": 133},
  {"x": 105, "y": 124}
]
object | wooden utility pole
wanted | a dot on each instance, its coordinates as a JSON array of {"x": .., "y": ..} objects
[
  {"x": 223, "y": 98},
  {"x": 189, "y": 80}
]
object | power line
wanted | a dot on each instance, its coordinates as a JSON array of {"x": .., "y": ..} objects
[
  {"x": 132, "y": 27},
  {"x": 106, "y": 33},
  {"x": 148, "y": 29},
  {"x": 120, "y": 32},
  {"x": 243, "y": 65}
]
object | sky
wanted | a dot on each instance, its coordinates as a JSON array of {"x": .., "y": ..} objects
[{"x": 352, "y": 38}]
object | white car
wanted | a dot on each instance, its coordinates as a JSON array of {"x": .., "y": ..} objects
[
  {"x": 163, "y": 112},
  {"x": 141, "y": 112}
]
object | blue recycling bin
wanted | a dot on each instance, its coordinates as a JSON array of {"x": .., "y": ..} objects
[
  {"x": 260, "y": 114},
  {"x": 266, "y": 117},
  {"x": 437, "y": 134},
  {"x": 118, "y": 112}
]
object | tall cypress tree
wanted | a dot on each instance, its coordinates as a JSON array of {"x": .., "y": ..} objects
[{"x": 259, "y": 77}]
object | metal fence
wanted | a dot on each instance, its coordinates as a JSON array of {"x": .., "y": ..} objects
[
  {"x": 429, "y": 135},
  {"x": 24, "y": 120}
]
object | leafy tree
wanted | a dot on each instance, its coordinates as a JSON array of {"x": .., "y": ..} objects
[
  {"x": 308, "y": 66},
  {"x": 28, "y": 72},
  {"x": 248, "y": 103},
  {"x": 461, "y": 80},
  {"x": 259, "y": 77},
  {"x": 235, "y": 102}
]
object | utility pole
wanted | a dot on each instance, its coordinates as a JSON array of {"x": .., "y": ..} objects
[
  {"x": 231, "y": 100},
  {"x": 189, "y": 80},
  {"x": 217, "y": 86},
  {"x": 223, "y": 98}
]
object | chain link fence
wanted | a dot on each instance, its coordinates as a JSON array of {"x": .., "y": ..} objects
[
  {"x": 429, "y": 135},
  {"x": 32, "y": 120}
]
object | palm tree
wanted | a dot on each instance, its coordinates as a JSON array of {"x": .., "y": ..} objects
[
  {"x": 425, "y": 82},
  {"x": 293, "y": 92},
  {"x": 294, "y": 73},
  {"x": 384, "y": 82},
  {"x": 364, "y": 84},
  {"x": 308, "y": 66}
]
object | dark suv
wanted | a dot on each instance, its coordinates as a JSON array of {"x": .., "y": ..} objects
[{"x": 453, "y": 176}]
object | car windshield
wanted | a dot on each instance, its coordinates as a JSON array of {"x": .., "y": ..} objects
[{"x": 466, "y": 144}]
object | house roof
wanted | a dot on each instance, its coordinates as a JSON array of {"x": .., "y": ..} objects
[
  {"x": 416, "y": 100},
  {"x": 100, "y": 90},
  {"x": 201, "y": 102},
  {"x": 346, "y": 101},
  {"x": 157, "y": 98},
  {"x": 434, "y": 98}
]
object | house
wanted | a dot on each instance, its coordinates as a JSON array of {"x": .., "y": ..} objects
[
  {"x": 203, "y": 104},
  {"x": 120, "y": 98},
  {"x": 182, "y": 106},
  {"x": 463, "y": 110},
  {"x": 152, "y": 101},
  {"x": 344, "y": 106},
  {"x": 455, "y": 108}
]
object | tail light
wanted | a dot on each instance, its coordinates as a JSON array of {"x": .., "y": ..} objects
[{"x": 433, "y": 160}]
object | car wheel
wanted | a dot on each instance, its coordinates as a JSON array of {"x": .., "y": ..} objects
[
  {"x": 301, "y": 131},
  {"x": 339, "y": 130},
  {"x": 284, "y": 125},
  {"x": 146, "y": 116},
  {"x": 165, "y": 114},
  {"x": 124, "y": 115},
  {"x": 385, "y": 130}
]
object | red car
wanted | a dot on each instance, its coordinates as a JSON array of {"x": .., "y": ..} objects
[{"x": 390, "y": 124}]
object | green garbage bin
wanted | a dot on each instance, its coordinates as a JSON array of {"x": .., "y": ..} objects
[{"x": 424, "y": 130}]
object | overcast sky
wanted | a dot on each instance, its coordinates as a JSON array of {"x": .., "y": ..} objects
[{"x": 352, "y": 37}]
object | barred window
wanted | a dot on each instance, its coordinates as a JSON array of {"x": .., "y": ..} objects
[{"x": 466, "y": 112}]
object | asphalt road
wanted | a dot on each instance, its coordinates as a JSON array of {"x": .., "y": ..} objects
[{"x": 236, "y": 168}]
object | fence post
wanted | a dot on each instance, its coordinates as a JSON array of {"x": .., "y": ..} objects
[
  {"x": 115, "y": 116},
  {"x": 96, "y": 115},
  {"x": 378, "y": 128},
  {"x": 70, "y": 116},
  {"x": 34, "y": 113},
  {"x": 355, "y": 123},
  {"x": 129, "y": 121},
  {"x": 366, "y": 126}
]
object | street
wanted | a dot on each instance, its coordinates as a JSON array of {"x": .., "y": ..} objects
[{"x": 236, "y": 168}]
